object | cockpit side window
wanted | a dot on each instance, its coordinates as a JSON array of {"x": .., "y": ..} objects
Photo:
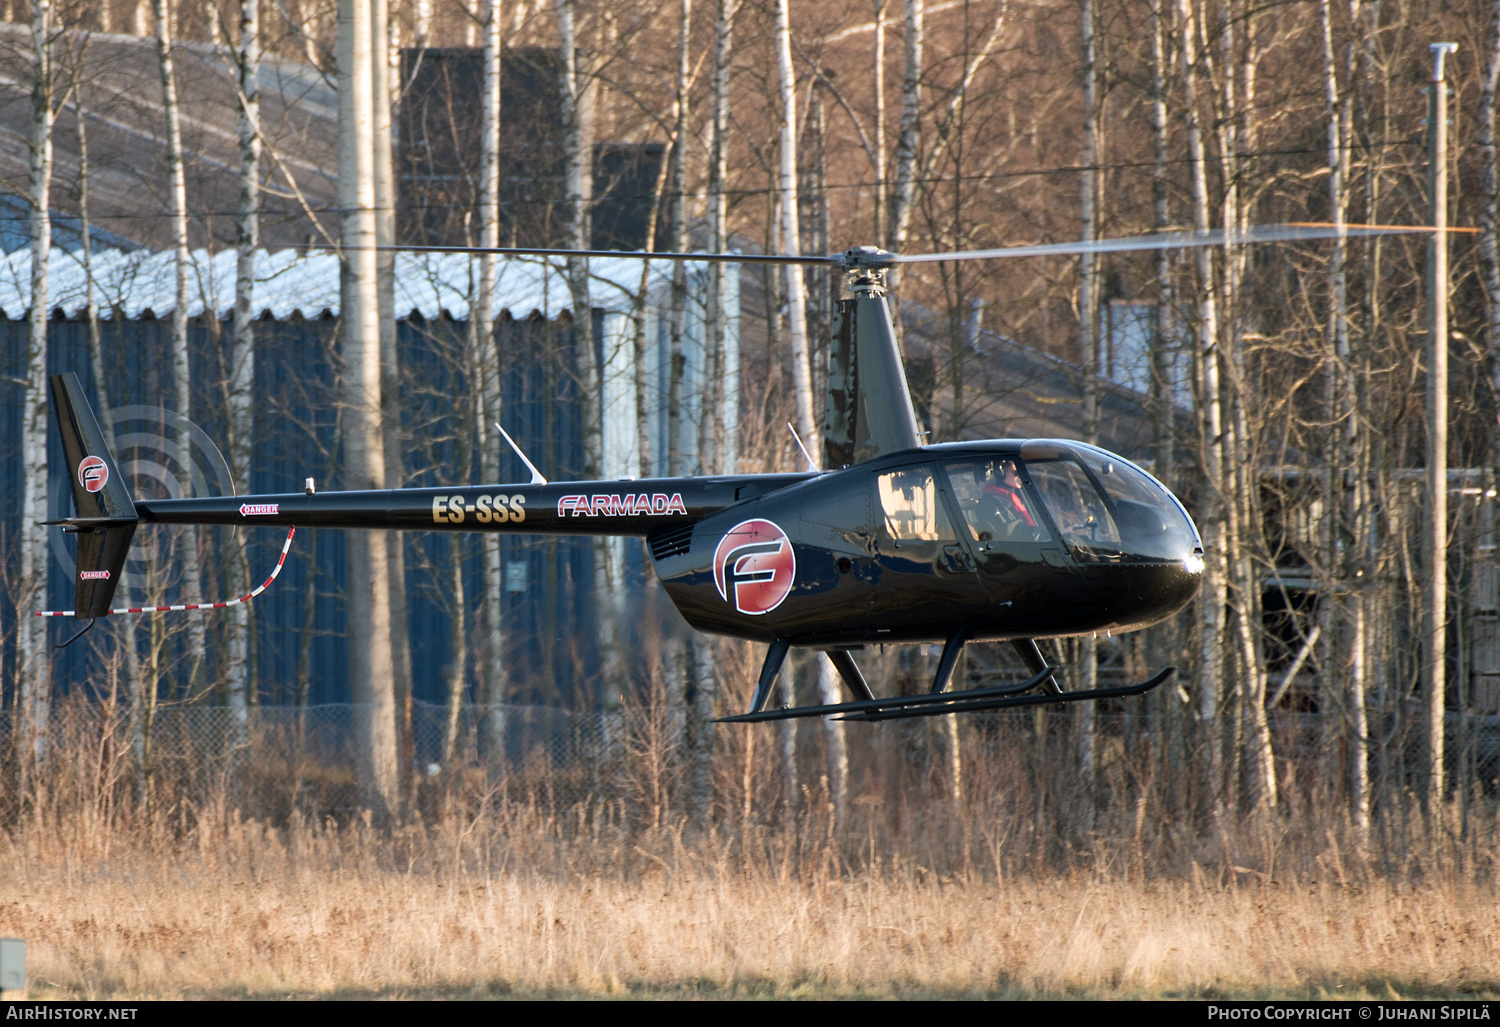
[{"x": 994, "y": 503}]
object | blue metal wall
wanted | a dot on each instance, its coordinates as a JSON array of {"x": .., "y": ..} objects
[{"x": 299, "y": 624}]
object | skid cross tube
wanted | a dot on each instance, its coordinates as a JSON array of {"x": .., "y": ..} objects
[
  {"x": 976, "y": 705},
  {"x": 898, "y": 702}
]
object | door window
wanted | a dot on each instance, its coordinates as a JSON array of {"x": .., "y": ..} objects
[
  {"x": 910, "y": 506},
  {"x": 993, "y": 501}
]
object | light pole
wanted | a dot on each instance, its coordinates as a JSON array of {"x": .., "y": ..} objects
[{"x": 1435, "y": 534}]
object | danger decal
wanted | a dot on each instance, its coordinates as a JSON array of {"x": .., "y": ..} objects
[
  {"x": 754, "y": 566},
  {"x": 94, "y": 575},
  {"x": 600, "y": 505},
  {"x": 93, "y": 473},
  {"x": 259, "y": 509}
]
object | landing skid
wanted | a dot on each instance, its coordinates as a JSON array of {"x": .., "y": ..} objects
[
  {"x": 940, "y": 704},
  {"x": 901, "y": 709}
]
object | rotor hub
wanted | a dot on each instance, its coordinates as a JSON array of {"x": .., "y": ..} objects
[{"x": 866, "y": 268}]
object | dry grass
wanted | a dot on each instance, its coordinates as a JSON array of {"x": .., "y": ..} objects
[
  {"x": 530, "y": 905},
  {"x": 562, "y": 882}
]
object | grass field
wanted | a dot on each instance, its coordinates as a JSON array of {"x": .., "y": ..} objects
[
  {"x": 1027, "y": 881},
  {"x": 544, "y": 906}
]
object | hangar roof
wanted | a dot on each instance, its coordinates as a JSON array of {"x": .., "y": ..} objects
[{"x": 290, "y": 283}]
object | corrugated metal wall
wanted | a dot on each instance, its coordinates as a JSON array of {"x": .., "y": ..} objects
[{"x": 299, "y": 623}]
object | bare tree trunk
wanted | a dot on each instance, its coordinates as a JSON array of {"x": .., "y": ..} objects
[
  {"x": 829, "y": 691},
  {"x": 1210, "y": 428},
  {"x": 1489, "y": 208},
  {"x": 677, "y": 313},
  {"x": 35, "y": 675},
  {"x": 1489, "y": 229},
  {"x": 791, "y": 235},
  {"x": 181, "y": 369},
  {"x": 1165, "y": 725},
  {"x": 1346, "y": 561},
  {"x": 721, "y": 395},
  {"x": 1164, "y": 402},
  {"x": 129, "y": 668},
  {"x": 786, "y": 731},
  {"x": 422, "y": 24},
  {"x": 492, "y": 680},
  {"x": 371, "y": 672},
  {"x": 882, "y": 190},
  {"x": 458, "y": 646},
  {"x": 384, "y": 91},
  {"x": 1088, "y": 318},
  {"x": 242, "y": 356},
  {"x": 904, "y": 196},
  {"x": 578, "y": 122},
  {"x": 1244, "y": 510}
]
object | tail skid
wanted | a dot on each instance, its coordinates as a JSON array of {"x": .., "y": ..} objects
[{"x": 281, "y": 560}]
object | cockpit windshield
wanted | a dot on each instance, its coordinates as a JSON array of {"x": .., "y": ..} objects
[{"x": 1106, "y": 508}]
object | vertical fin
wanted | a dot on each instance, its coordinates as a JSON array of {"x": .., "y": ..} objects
[{"x": 104, "y": 510}]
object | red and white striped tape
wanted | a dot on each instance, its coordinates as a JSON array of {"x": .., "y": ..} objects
[{"x": 194, "y": 606}]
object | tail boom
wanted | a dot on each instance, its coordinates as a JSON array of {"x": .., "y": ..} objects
[{"x": 622, "y": 507}]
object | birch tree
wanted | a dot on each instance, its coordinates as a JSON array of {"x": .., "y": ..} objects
[
  {"x": 877, "y": 118},
  {"x": 677, "y": 310},
  {"x": 577, "y": 96},
  {"x": 35, "y": 672},
  {"x": 1210, "y": 422},
  {"x": 181, "y": 361},
  {"x": 372, "y": 679},
  {"x": 1088, "y": 313},
  {"x": 1489, "y": 208},
  {"x": 242, "y": 357},
  {"x": 720, "y": 447},
  {"x": 791, "y": 233},
  {"x": 385, "y": 89},
  {"x": 492, "y": 684},
  {"x": 903, "y": 194},
  {"x": 1347, "y": 498}
]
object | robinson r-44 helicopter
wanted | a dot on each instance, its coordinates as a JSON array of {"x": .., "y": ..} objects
[{"x": 893, "y": 542}]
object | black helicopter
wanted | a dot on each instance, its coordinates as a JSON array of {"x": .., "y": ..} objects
[{"x": 896, "y": 542}]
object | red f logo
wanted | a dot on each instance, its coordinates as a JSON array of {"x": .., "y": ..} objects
[
  {"x": 93, "y": 473},
  {"x": 754, "y": 566}
]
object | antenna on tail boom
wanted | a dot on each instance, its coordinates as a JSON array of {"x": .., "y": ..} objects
[{"x": 536, "y": 475}]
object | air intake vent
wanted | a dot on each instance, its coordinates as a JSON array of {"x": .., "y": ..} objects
[{"x": 670, "y": 540}]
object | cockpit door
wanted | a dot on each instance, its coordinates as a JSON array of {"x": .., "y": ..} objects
[{"x": 1015, "y": 551}]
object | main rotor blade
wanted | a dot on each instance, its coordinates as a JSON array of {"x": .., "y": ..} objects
[
  {"x": 1292, "y": 232},
  {"x": 533, "y": 251}
]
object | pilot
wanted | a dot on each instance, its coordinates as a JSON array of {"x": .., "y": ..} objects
[
  {"x": 1000, "y": 507},
  {"x": 1008, "y": 491}
]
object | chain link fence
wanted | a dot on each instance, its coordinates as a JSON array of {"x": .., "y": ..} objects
[{"x": 273, "y": 760}]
